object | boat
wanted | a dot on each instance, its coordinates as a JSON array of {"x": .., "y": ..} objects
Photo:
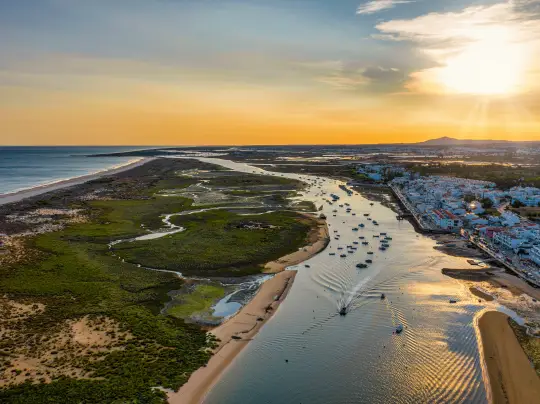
[
  {"x": 340, "y": 248},
  {"x": 343, "y": 255},
  {"x": 361, "y": 265},
  {"x": 307, "y": 266},
  {"x": 388, "y": 238},
  {"x": 332, "y": 254},
  {"x": 375, "y": 223},
  {"x": 372, "y": 204},
  {"x": 354, "y": 229},
  {"x": 368, "y": 261},
  {"x": 343, "y": 310},
  {"x": 366, "y": 214},
  {"x": 382, "y": 234},
  {"x": 382, "y": 248},
  {"x": 361, "y": 237},
  {"x": 399, "y": 329},
  {"x": 354, "y": 214},
  {"x": 370, "y": 252},
  {"x": 453, "y": 301},
  {"x": 365, "y": 243},
  {"x": 382, "y": 296},
  {"x": 375, "y": 235},
  {"x": 355, "y": 242},
  {"x": 361, "y": 225}
]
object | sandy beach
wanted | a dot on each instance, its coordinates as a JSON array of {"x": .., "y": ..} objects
[
  {"x": 245, "y": 324},
  {"x": 27, "y": 193},
  {"x": 512, "y": 379},
  {"x": 238, "y": 330},
  {"x": 318, "y": 239}
]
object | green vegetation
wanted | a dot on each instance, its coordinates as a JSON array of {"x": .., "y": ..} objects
[
  {"x": 486, "y": 203},
  {"x": 221, "y": 243},
  {"x": 252, "y": 180},
  {"x": 74, "y": 275},
  {"x": 200, "y": 300}
]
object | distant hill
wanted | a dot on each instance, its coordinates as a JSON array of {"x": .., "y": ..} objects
[{"x": 449, "y": 141}]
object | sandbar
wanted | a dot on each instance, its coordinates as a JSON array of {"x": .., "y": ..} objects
[{"x": 512, "y": 379}]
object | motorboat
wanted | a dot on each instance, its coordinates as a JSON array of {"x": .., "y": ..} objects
[
  {"x": 382, "y": 296},
  {"x": 361, "y": 225},
  {"x": 399, "y": 329},
  {"x": 343, "y": 311},
  {"x": 370, "y": 252},
  {"x": 365, "y": 243},
  {"x": 343, "y": 255},
  {"x": 361, "y": 265},
  {"x": 382, "y": 248},
  {"x": 332, "y": 254},
  {"x": 307, "y": 266},
  {"x": 368, "y": 261}
]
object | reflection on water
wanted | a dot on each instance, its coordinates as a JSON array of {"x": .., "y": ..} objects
[
  {"x": 225, "y": 307},
  {"x": 358, "y": 358}
]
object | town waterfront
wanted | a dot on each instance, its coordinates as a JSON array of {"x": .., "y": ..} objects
[{"x": 308, "y": 353}]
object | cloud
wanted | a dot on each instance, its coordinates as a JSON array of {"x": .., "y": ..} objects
[
  {"x": 498, "y": 39},
  {"x": 375, "y": 6}
]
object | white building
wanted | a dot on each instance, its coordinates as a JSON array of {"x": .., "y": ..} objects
[
  {"x": 534, "y": 254},
  {"x": 446, "y": 220},
  {"x": 508, "y": 240},
  {"x": 509, "y": 219}
]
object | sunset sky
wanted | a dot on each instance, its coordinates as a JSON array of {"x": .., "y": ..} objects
[{"x": 199, "y": 72}]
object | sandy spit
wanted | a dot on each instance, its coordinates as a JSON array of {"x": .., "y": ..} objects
[
  {"x": 512, "y": 379},
  {"x": 247, "y": 322},
  {"x": 27, "y": 193}
]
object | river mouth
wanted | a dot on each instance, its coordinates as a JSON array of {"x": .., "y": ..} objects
[{"x": 309, "y": 353}]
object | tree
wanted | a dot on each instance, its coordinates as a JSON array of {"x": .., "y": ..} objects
[
  {"x": 468, "y": 198},
  {"x": 517, "y": 204},
  {"x": 487, "y": 203}
]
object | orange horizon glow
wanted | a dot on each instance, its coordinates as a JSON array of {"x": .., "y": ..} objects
[{"x": 471, "y": 73}]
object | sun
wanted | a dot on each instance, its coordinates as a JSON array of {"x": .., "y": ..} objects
[{"x": 489, "y": 66}]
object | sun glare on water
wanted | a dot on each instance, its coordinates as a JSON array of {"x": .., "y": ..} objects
[{"x": 492, "y": 65}]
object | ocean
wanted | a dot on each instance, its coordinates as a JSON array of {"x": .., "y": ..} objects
[{"x": 24, "y": 167}]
